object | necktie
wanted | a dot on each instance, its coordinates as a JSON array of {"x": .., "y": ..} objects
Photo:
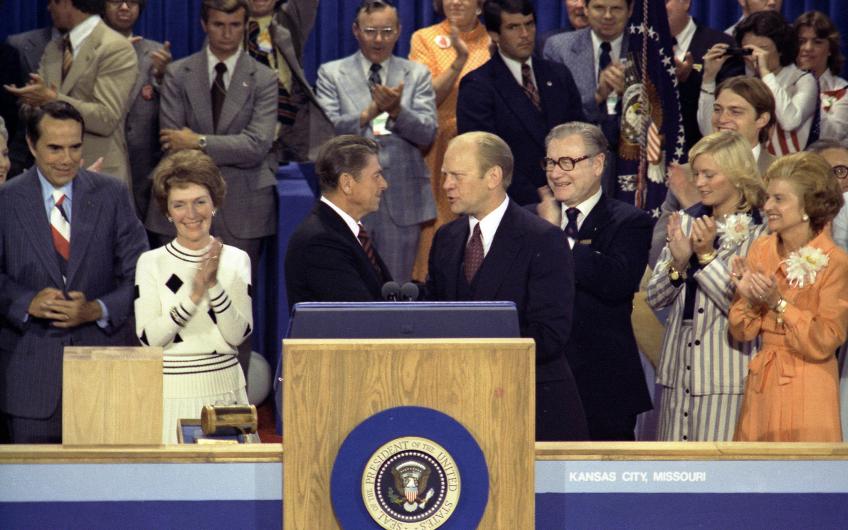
[
  {"x": 60, "y": 227},
  {"x": 473, "y": 254},
  {"x": 530, "y": 86},
  {"x": 368, "y": 247},
  {"x": 374, "y": 76},
  {"x": 257, "y": 38},
  {"x": 605, "y": 58},
  {"x": 67, "y": 55},
  {"x": 571, "y": 227},
  {"x": 219, "y": 93}
]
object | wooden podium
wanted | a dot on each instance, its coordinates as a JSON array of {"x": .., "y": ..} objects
[
  {"x": 331, "y": 386},
  {"x": 112, "y": 396}
]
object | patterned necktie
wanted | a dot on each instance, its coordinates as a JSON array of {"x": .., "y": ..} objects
[
  {"x": 219, "y": 93},
  {"x": 473, "y": 254},
  {"x": 60, "y": 227},
  {"x": 368, "y": 247},
  {"x": 571, "y": 227},
  {"x": 67, "y": 55},
  {"x": 286, "y": 106},
  {"x": 605, "y": 58},
  {"x": 374, "y": 76},
  {"x": 530, "y": 86}
]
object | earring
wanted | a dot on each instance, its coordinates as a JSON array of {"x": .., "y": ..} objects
[
  {"x": 805, "y": 218},
  {"x": 214, "y": 212},
  {"x": 170, "y": 219}
]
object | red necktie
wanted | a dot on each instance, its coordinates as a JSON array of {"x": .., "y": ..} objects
[
  {"x": 530, "y": 86},
  {"x": 368, "y": 247},
  {"x": 60, "y": 227},
  {"x": 473, "y": 254}
]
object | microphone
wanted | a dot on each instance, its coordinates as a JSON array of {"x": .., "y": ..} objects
[
  {"x": 409, "y": 292},
  {"x": 391, "y": 291}
]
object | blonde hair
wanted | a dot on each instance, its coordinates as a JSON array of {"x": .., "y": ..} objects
[
  {"x": 812, "y": 178},
  {"x": 732, "y": 154}
]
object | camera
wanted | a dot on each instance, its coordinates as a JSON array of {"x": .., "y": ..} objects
[{"x": 738, "y": 52}]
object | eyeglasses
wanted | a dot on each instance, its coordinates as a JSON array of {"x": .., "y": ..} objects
[
  {"x": 129, "y": 3},
  {"x": 565, "y": 163},
  {"x": 371, "y": 33},
  {"x": 840, "y": 171}
]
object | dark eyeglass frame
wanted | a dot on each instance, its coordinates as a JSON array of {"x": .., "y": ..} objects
[
  {"x": 129, "y": 3},
  {"x": 840, "y": 171},
  {"x": 565, "y": 163}
]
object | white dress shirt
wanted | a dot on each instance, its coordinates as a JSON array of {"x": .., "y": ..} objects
[
  {"x": 515, "y": 68},
  {"x": 351, "y": 223},
  {"x": 585, "y": 207},
  {"x": 615, "y": 50},
  {"x": 488, "y": 225},
  {"x": 684, "y": 39},
  {"x": 81, "y": 32},
  {"x": 231, "y": 61}
]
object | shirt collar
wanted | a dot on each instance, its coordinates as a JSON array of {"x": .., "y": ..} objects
[
  {"x": 515, "y": 67},
  {"x": 47, "y": 189},
  {"x": 756, "y": 151},
  {"x": 365, "y": 65},
  {"x": 349, "y": 221},
  {"x": 81, "y": 31},
  {"x": 684, "y": 39},
  {"x": 585, "y": 207},
  {"x": 489, "y": 224},
  {"x": 231, "y": 61},
  {"x": 615, "y": 46}
]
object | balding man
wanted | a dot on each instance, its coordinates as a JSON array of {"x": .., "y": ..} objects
[
  {"x": 752, "y": 6},
  {"x": 498, "y": 250}
]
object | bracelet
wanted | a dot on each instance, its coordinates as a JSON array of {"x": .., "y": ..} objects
[
  {"x": 675, "y": 275},
  {"x": 780, "y": 308},
  {"x": 705, "y": 259}
]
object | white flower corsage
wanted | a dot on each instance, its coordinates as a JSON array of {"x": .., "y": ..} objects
[
  {"x": 803, "y": 265},
  {"x": 827, "y": 101},
  {"x": 733, "y": 230}
]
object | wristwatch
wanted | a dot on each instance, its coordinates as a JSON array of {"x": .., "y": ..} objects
[{"x": 201, "y": 143}]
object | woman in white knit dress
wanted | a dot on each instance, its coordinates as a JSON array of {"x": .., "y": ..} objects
[
  {"x": 701, "y": 367},
  {"x": 194, "y": 294}
]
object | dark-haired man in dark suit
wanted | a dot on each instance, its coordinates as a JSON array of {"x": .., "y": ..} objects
[
  {"x": 330, "y": 257},
  {"x": 516, "y": 96},
  {"x": 498, "y": 250},
  {"x": 69, "y": 243}
]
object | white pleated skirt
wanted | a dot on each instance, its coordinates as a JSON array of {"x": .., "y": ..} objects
[{"x": 192, "y": 381}]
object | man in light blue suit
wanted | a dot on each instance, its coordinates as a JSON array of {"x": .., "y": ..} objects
[
  {"x": 69, "y": 242},
  {"x": 594, "y": 56},
  {"x": 375, "y": 94}
]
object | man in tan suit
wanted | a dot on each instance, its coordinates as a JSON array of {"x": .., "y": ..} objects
[{"x": 94, "y": 69}]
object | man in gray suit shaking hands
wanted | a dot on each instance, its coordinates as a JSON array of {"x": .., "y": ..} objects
[
  {"x": 375, "y": 94},
  {"x": 222, "y": 102}
]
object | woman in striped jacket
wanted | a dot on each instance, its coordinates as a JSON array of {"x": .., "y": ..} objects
[{"x": 702, "y": 368}]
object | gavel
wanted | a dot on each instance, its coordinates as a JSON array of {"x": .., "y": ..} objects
[{"x": 229, "y": 420}]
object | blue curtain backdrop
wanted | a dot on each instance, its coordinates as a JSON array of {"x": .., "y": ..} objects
[{"x": 179, "y": 22}]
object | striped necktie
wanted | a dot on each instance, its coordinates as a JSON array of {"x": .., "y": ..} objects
[
  {"x": 67, "y": 55},
  {"x": 368, "y": 247},
  {"x": 60, "y": 227},
  {"x": 529, "y": 86}
]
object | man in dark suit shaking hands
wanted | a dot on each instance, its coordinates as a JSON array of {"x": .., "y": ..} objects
[
  {"x": 610, "y": 241},
  {"x": 330, "y": 257},
  {"x": 69, "y": 242},
  {"x": 498, "y": 250}
]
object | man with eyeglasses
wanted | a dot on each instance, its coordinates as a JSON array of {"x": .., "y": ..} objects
[
  {"x": 375, "y": 94},
  {"x": 142, "y": 127},
  {"x": 93, "y": 68},
  {"x": 836, "y": 154},
  {"x": 610, "y": 241}
]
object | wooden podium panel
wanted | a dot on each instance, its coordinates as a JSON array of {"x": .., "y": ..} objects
[
  {"x": 112, "y": 396},
  {"x": 331, "y": 386}
]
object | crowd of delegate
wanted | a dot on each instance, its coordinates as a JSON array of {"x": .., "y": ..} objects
[{"x": 137, "y": 192}]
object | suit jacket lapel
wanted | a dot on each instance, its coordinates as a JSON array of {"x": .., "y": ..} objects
[
  {"x": 357, "y": 86},
  {"x": 585, "y": 76},
  {"x": 83, "y": 58},
  {"x": 35, "y": 222},
  {"x": 85, "y": 213},
  {"x": 597, "y": 219},
  {"x": 498, "y": 262},
  {"x": 338, "y": 225},
  {"x": 143, "y": 55},
  {"x": 514, "y": 97},
  {"x": 455, "y": 239},
  {"x": 198, "y": 89},
  {"x": 241, "y": 84},
  {"x": 396, "y": 72}
]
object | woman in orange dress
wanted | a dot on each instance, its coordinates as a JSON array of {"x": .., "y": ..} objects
[
  {"x": 450, "y": 49},
  {"x": 792, "y": 294}
]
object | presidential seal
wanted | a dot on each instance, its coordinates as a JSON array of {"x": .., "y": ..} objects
[{"x": 411, "y": 482}]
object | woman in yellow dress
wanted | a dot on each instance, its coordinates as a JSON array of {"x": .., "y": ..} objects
[{"x": 450, "y": 49}]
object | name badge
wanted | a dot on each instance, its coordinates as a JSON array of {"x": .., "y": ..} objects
[{"x": 378, "y": 125}]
